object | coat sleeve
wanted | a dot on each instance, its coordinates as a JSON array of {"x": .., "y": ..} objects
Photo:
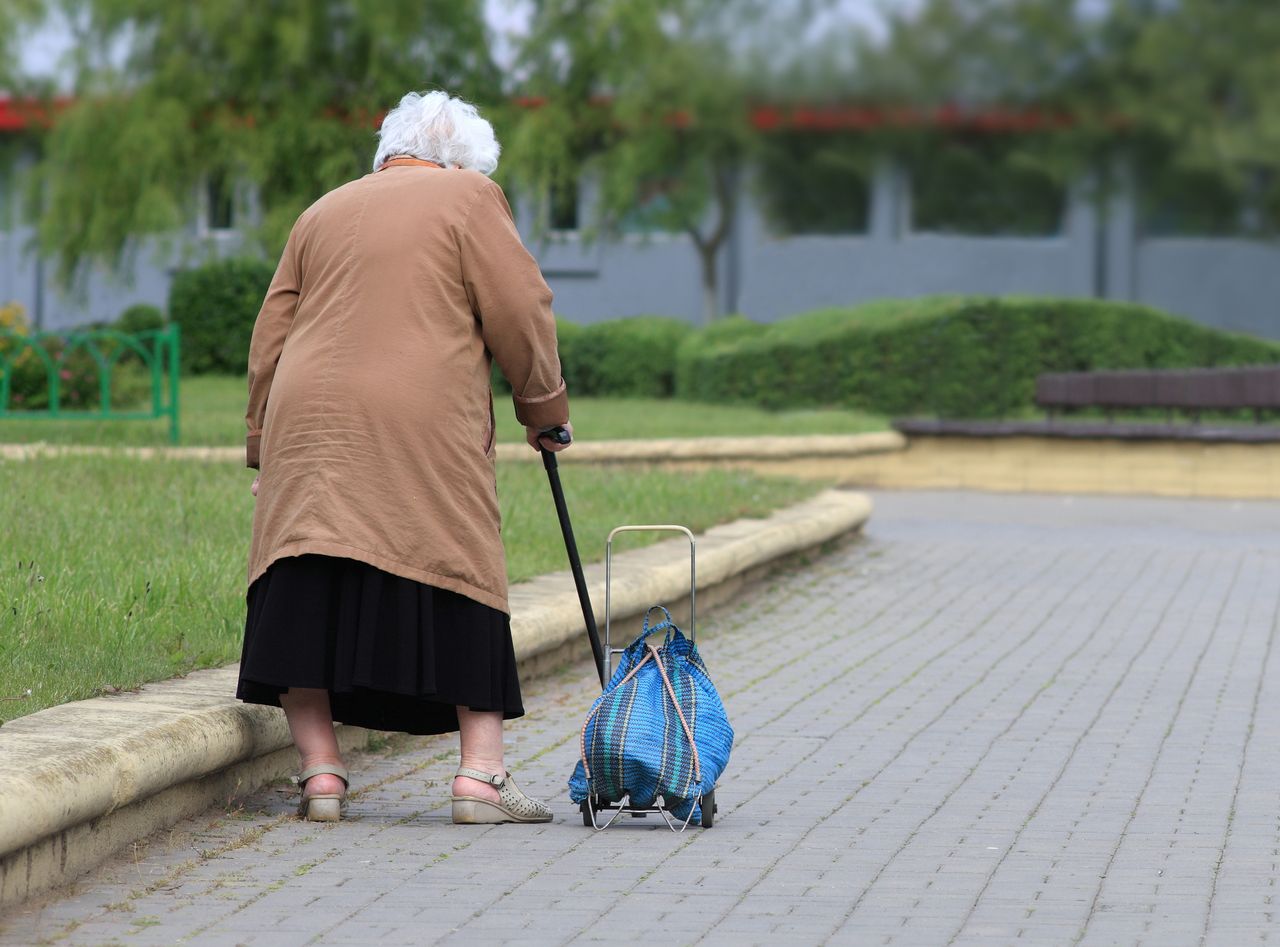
[
  {"x": 512, "y": 302},
  {"x": 269, "y": 332}
]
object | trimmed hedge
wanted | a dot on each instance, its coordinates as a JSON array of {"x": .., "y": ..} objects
[
  {"x": 140, "y": 317},
  {"x": 947, "y": 356},
  {"x": 216, "y": 305},
  {"x": 720, "y": 334},
  {"x": 622, "y": 358}
]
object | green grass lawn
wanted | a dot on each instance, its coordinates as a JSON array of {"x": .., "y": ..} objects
[
  {"x": 117, "y": 571},
  {"x": 212, "y": 414}
]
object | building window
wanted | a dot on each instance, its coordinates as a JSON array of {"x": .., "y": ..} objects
[
  {"x": 563, "y": 209},
  {"x": 6, "y": 209},
  {"x": 9, "y": 190},
  {"x": 1204, "y": 202},
  {"x": 654, "y": 211},
  {"x": 220, "y": 202},
  {"x": 815, "y": 183},
  {"x": 983, "y": 185}
]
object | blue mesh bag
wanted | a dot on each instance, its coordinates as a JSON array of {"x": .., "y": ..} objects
[{"x": 659, "y": 729}]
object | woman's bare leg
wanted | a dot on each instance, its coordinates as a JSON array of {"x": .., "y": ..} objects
[
  {"x": 311, "y": 723},
  {"x": 481, "y": 736}
]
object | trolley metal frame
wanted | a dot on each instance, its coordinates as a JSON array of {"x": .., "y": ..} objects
[{"x": 593, "y": 805}]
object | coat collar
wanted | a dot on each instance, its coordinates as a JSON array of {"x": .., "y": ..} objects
[{"x": 404, "y": 161}]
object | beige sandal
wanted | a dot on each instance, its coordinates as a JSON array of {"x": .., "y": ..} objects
[
  {"x": 321, "y": 806},
  {"x": 512, "y": 805}
]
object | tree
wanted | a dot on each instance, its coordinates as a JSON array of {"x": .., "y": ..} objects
[
  {"x": 16, "y": 17},
  {"x": 1204, "y": 76},
  {"x": 283, "y": 96},
  {"x": 1187, "y": 90},
  {"x": 650, "y": 99},
  {"x": 1038, "y": 57},
  {"x": 980, "y": 52}
]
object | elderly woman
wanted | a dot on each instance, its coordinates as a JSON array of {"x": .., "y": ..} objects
[{"x": 377, "y": 581}]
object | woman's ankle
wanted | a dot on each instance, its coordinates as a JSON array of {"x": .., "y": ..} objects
[
  {"x": 322, "y": 783},
  {"x": 467, "y": 786}
]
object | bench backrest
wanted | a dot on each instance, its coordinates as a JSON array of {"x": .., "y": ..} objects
[{"x": 1256, "y": 386}]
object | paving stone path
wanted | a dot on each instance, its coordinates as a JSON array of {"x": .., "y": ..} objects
[{"x": 996, "y": 719}]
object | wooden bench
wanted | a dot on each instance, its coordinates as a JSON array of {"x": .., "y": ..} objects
[
  {"x": 1189, "y": 390},
  {"x": 1193, "y": 390}
]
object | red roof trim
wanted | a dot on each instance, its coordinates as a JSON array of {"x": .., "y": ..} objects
[
  {"x": 831, "y": 118},
  {"x": 853, "y": 118},
  {"x": 15, "y": 116}
]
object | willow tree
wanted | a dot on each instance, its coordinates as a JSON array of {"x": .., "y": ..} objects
[
  {"x": 650, "y": 99},
  {"x": 283, "y": 97},
  {"x": 23, "y": 92},
  {"x": 17, "y": 18}
]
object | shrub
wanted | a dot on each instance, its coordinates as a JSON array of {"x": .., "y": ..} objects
[
  {"x": 140, "y": 317},
  {"x": 216, "y": 305},
  {"x": 948, "y": 356},
  {"x": 79, "y": 379},
  {"x": 13, "y": 316},
  {"x": 633, "y": 357},
  {"x": 24, "y": 364},
  {"x": 716, "y": 335},
  {"x": 627, "y": 358}
]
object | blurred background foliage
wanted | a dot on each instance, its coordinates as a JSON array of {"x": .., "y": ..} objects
[
  {"x": 657, "y": 103},
  {"x": 1186, "y": 91},
  {"x": 282, "y": 96}
]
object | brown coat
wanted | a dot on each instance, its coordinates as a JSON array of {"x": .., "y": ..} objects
[{"x": 369, "y": 399}]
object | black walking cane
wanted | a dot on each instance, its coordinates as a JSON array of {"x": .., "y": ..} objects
[{"x": 561, "y": 436}]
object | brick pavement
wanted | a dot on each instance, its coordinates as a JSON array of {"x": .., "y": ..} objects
[{"x": 994, "y": 720}]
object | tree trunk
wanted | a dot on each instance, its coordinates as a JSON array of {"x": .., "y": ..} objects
[
  {"x": 725, "y": 181},
  {"x": 707, "y": 254}
]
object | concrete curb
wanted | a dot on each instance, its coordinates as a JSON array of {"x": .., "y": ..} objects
[
  {"x": 44, "y": 449},
  {"x": 706, "y": 449},
  {"x": 82, "y": 780},
  {"x": 800, "y": 447}
]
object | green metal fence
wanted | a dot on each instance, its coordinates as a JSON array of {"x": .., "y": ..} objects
[{"x": 50, "y": 369}]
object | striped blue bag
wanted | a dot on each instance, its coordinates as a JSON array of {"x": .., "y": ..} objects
[{"x": 659, "y": 729}]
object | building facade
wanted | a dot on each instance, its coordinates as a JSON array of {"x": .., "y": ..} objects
[{"x": 1097, "y": 247}]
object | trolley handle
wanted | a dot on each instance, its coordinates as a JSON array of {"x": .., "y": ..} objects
[{"x": 608, "y": 583}]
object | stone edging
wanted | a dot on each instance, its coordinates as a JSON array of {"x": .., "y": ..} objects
[
  {"x": 584, "y": 451},
  {"x": 799, "y": 447},
  {"x": 82, "y": 780}
]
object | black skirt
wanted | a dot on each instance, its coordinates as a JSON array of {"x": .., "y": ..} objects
[{"x": 393, "y": 653}]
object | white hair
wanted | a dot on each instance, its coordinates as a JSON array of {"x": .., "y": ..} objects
[{"x": 434, "y": 126}]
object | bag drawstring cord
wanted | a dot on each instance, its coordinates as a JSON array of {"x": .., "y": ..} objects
[{"x": 652, "y": 652}]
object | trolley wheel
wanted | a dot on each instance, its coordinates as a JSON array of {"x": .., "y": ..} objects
[
  {"x": 709, "y": 809},
  {"x": 585, "y": 807}
]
